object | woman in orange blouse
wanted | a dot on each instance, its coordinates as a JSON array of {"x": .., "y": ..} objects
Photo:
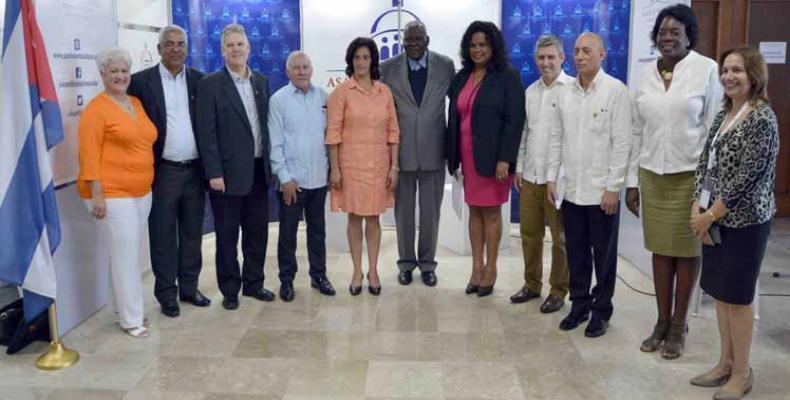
[
  {"x": 362, "y": 134},
  {"x": 116, "y": 160}
]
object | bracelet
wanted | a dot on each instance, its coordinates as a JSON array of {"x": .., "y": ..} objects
[
  {"x": 711, "y": 215},
  {"x": 395, "y": 169}
]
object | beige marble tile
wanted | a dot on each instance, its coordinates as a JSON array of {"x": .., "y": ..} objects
[
  {"x": 483, "y": 380},
  {"x": 328, "y": 378},
  {"x": 404, "y": 380},
  {"x": 220, "y": 375},
  {"x": 143, "y": 394}
]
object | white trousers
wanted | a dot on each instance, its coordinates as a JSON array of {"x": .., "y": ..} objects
[{"x": 122, "y": 231}]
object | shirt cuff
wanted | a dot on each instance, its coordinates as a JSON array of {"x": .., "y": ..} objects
[{"x": 284, "y": 176}]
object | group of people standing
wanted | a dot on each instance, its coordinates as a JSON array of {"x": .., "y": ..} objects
[{"x": 695, "y": 148}]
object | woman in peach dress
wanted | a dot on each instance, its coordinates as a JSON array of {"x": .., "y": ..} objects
[{"x": 362, "y": 134}]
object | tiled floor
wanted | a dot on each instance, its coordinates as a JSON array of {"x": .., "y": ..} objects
[{"x": 412, "y": 342}]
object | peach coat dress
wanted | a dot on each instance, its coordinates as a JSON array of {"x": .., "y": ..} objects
[{"x": 364, "y": 124}]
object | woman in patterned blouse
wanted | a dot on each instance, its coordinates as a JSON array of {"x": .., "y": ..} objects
[{"x": 732, "y": 211}]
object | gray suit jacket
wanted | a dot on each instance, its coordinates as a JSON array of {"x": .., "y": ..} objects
[{"x": 423, "y": 128}]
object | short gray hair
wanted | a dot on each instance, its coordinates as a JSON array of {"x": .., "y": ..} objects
[
  {"x": 107, "y": 56},
  {"x": 294, "y": 54},
  {"x": 549, "y": 40},
  {"x": 415, "y": 24},
  {"x": 172, "y": 28},
  {"x": 233, "y": 28}
]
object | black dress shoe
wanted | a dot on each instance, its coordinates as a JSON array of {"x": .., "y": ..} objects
[
  {"x": 230, "y": 303},
  {"x": 287, "y": 291},
  {"x": 170, "y": 309},
  {"x": 471, "y": 288},
  {"x": 404, "y": 277},
  {"x": 552, "y": 304},
  {"x": 574, "y": 319},
  {"x": 596, "y": 327},
  {"x": 323, "y": 285},
  {"x": 524, "y": 295},
  {"x": 261, "y": 294},
  {"x": 196, "y": 299},
  {"x": 429, "y": 278}
]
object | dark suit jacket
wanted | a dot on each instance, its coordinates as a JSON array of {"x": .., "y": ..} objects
[
  {"x": 224, "y": 133},
  {"x": 498, "y": 116},
  {"x": 146, "y": 85}
]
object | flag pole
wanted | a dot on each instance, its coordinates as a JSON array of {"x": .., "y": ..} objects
[{"x": 57, "y": 356}]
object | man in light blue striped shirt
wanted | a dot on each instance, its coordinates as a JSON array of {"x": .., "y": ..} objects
[{"x": 297, "y": 121}]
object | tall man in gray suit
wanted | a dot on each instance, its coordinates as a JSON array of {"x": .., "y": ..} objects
[{"x": 419, "y": 80}]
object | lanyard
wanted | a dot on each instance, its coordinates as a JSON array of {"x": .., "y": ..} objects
[{"x": 723, "y": 128}]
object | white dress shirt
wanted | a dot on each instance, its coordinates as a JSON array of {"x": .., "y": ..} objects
[
  {"x": 247, "y": 94},
  {"x": 180, "y": 140},
  {"x": 535, "y": 139},
  {"x": 591, "y": 138},
  {"x": 670, "y": 126}
]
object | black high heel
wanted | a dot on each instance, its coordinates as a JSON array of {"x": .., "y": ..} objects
[
  {"x": 374, "y": 290},
  {"x": 355, "y": 290},
  {"x": 470, "y": 288},
  {"x": 483, "y": 291}
]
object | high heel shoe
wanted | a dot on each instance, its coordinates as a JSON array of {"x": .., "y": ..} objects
[
  {"x": 355, "y": 290},
  {"x": 472, "y": 288},
  {"x": 484, "y": 291},
  {"x": 374, "y": 290}
]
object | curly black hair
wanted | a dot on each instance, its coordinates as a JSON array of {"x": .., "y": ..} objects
[
  {"x": 683, "y": 14},
  {"x": 355, "y": 44},
  {"x": 499, "y": 55}
]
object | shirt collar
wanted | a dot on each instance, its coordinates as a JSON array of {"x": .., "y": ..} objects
[
  {"x": 595, "y": 82},
  {"x": 236, "y": 77},
  {"x": 562, "y": 79},
  {"x": 164, "y": 72},
  {"x": 355, "y": 85},
  {"x": 294, "y": 89},
  {"x": 421, "y": 63}
]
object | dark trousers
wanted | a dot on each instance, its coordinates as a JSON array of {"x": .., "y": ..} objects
[
  {"x": 591, "y": 240},
  {"x": 250, "y": 213},
  {"x": 309, "y": 202},
  {"x": 175, "y": 230},
  {"x": 429, "y": 186}
]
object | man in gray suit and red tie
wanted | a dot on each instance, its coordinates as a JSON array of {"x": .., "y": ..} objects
[{"x": 419, "y": 80}]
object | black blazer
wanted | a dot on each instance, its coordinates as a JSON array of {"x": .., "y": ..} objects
[
  {"x": 498, "y": 116},
  {"x": 146, "y": 85},
  {"x": 224, "y": 133}
]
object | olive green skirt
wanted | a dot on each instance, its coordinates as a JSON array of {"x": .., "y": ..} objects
[{"x": 666, "y": 210}]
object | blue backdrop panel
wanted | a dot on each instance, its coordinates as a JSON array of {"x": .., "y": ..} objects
[
  {"x": 273, "y": 29},
  {"x": 524, "y": 21}
]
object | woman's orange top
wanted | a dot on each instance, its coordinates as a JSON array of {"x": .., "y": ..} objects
[{"x": 116, "y": 149}]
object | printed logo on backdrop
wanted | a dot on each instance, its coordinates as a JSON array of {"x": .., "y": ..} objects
[
  {"x": 387, "y": 35},
  {"x": 524, "y": 21},
  {"x": 272, "y": 28}
]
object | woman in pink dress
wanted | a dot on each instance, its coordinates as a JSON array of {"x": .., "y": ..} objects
[
  {"x": 486, "y": 120},
  {"x": 362, "y": 134}
]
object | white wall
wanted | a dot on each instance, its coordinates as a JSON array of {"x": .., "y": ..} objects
[{"x": 138, "y": 22}]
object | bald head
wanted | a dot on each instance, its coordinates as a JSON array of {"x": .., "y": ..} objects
[{"x": 588, "y": 54}]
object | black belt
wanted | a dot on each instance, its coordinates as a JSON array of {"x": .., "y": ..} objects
[{"x": 182, "y": 164}]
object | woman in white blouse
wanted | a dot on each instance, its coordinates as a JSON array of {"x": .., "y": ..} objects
[{"x": 676, "y": 100}]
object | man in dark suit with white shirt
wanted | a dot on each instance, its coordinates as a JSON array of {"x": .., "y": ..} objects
[
  {"x": 233, "y": 106},
  {"x": 175, "y": 224}
]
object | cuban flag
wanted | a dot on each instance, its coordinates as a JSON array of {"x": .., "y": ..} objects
[{"x": 30, "y": 125}]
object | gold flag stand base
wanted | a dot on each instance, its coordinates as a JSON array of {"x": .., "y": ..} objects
[{"x": 58, "y": 356}]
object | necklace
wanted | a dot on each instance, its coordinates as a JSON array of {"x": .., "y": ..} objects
[{"x": 666, "y": 75}]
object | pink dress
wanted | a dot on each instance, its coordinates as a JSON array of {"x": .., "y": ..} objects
[
  {"x": 364, "y": 124},
  {"x": 479, "y": 191}
]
